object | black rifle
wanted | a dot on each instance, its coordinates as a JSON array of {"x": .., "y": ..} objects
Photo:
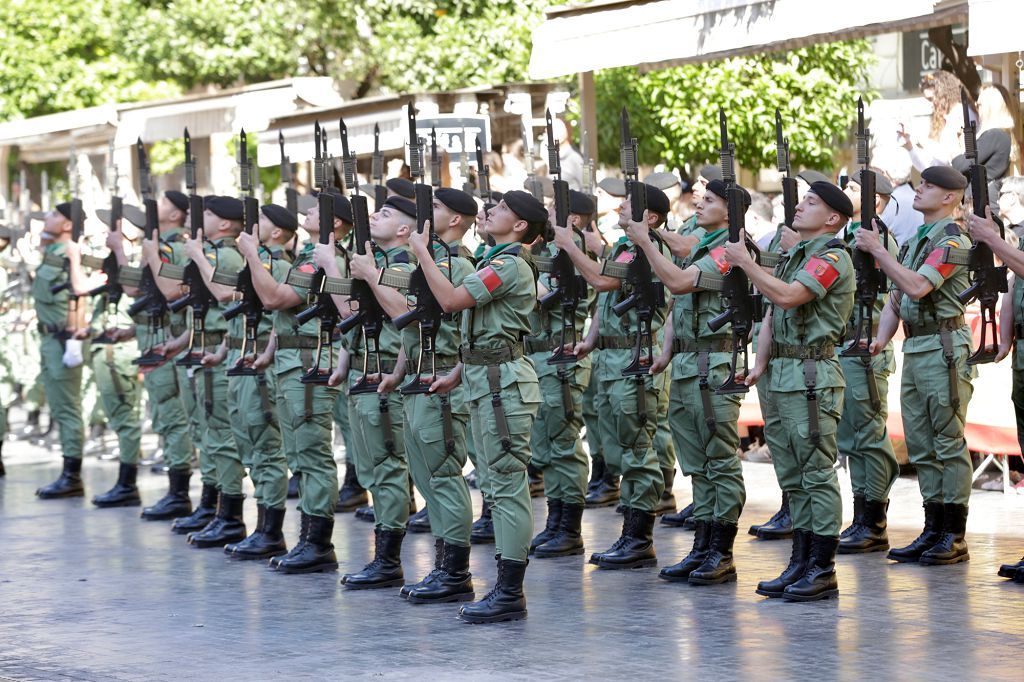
[
  {"x": 568, "y": 287},
  {"x": 741, "y": 305},
  {"x": 151, "y": 299},
  {"x": 987, "y": 280},
  {"x": 291, "y": 195},
  {"x": 427, "y": 311},
  {"x": 111, "y": 291},
  {"x": 323, "y": 307},
  {"x": 251, "y": 304},
  {"x": 380, "y": 190},
  {"x": 789, "y": 186},
  {"x": 483, "y": 173},
  {"x": 870, "y": 278},
  {"x": 646, "y": 294},
  {"x": 435, "y": 160},
  {"x": 77, "y": 229}
]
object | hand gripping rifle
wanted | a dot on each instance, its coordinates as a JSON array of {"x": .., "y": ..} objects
[
  {"x": 152, "y": 299},
  {"x": 741, "y": 304},
  {"x": 380, "y": 190},
  {"x": 569, "y": 287},
  {"x": 251, "y": 304},
  {"x": 369, "y": 316},
  {"x": 870, "y": 278},
  {"x": 323, "y": 307},
  {"x": 291, "y": 195},
  {"x": 987, "y": 279},
  {"x": 646, "y": 293},
  {"x": 427, "y": 311},
  {"x": 111, "y": 291}
]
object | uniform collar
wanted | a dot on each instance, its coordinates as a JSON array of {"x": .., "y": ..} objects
[
  {"x": 496, "y": 249},
  {"x": 710, "y": 237}
]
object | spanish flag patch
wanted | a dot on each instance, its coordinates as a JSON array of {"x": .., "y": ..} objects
[{"x": 823, "y": 272}]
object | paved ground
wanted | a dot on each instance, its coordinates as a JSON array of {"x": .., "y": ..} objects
[{"x": 100, "y": 595}]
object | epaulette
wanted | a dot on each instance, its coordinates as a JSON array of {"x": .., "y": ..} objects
[
  {"x": 400, "y": 257},
  {"x": 953, "y": 229},
  {"x": 173, "y": 238}
]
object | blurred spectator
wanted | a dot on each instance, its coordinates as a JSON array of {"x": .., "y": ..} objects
[
  {"x": 758, "y": 220},
  {"x": 684, "y": 206},
  {"x": 899, "y": 215},
  {"x": 1011, "y": 204},
  {"x": 996, "y": 143},
  {"x": 942, "y": 89}
]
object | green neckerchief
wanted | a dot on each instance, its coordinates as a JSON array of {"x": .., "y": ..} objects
[
  {"x": 710, "y": 237},
  {"x": 496, "y": 249},
  {"x": 924, "y": 229}
]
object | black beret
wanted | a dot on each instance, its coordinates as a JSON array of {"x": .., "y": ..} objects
[
  {"x": 280, "y": 216},
  {"x": 404, "y": 205},
  {"x": 64, "y": 209},
  {"x": 133, "y": 214},
  {"x": 721, "y": 189},
  {"x": 662, "y": 180},
  {"x": 811, "y": 176},
  {"x": 457, "y": 200},
  {"x": 179, "y": 200},
  {"x": 613, "y": 186},
  {"x": 401, "y": 187},
  {"x": 580, "y": 203},
  {"x": 686, "y": 185},
  {"x": 526, "y": 206},
  {"x": 882, "y": 184},
  {"x": 228, "y": 208},
  {"x": 657, "y": 201},
  {"x": 342, "y": 207},
  {"x": 711, "y": 172},
  {"x": 495, "y": 198},
  {"x": 945, "y": 177},
  {"x": 305, "y": 202},
  {"x": 834, "y": 197},
  {"x": 207, "y": 198}
]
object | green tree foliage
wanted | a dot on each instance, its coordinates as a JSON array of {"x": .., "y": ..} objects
[{"x": 674, "y": 112}]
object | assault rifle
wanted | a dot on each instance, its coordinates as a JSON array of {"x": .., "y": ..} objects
[
  {"x": 111, "y": 290},
  {"x": 151, "y": 299},
  {"x": 380, "y": 190},
  {"x": 291, "y": 195}
]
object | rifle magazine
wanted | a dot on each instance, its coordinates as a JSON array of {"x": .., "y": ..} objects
[
  {"x": 300, "y": 280},
  {"x": 171, "y": 271},
  {"x": 956, "y": 256},
  {"x": 224, "y": 277},
  {"x": 129, "y": 276},
  {"x": 709, "y": 281},
  {"x": 340, "y": 286},
  {"x": 396, "y": 279}
]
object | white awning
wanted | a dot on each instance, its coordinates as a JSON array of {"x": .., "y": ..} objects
[
  {"x": 995, "y": 27},
  {"x": 659, "y": 33}
]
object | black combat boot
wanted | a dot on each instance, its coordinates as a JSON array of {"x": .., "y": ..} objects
[
  {"x": 202, "y": 515},
  {"x": 438, "y": 564},
  {"x": 718, "y": 566},
  {"x": 778, "y": 526},
  {"x": 819, "y": 579},
  {"x": 453, "y": 582},
  {"x": 858, "y": 519},
  {"x": 1011, "y": 570},
  {"x": 297, "y": 548},
  {"x": 351, "y": 495},
  {"x": 681, "y": 519},
  {"x": 68, "y": 484},
  {"x": 568, "y": 541},
  {"x": 227, "y": 526},
  {"x": 419, "y": 522},
  {"x": 635, "y": 549},
  {"x": 869, "y": 535},
  {"x": 794, "y": 571},
  {"x": 667, "y": 503},
  {"x": 316, "y": 553},
  {"x": 597, "y": 471},
  {"x": 176, "y": 503},
  {"x": 124, "y": 493},
  {"x": 681, "y": 571},
  {"x": 951, "y": 547},
  {"x": 266, "y": 541},
  {"x": 606, "y": 493},
  {"x": 3, "y": 471},
  {"x": 505, "y": 601},
  {"x": 386, "y": 568},
  {"x": 536, "y": 479},
  {"x": 550, "y": 525},
  {"x": 482, "y": 532},
  {"x": 293, "y": 487},
  {"x": 366, "y": 514},
  {"x": 926, "y": 540}
]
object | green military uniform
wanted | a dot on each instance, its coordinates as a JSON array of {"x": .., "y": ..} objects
[
  {"x": 118, "y": 381},
  {"x": 304, "y": 410},
  {"x": 936, "y": 383},
  {"x": 252, "y": 401},
  {"x": 436, "y": 444},
  {"x": 63, "y": 385},
  {"x": 801, "y": 432},
  {"x": 557, "y": 449},
  {"x": 862, "y": 434},
  {"x": 502, "y": 389},
  {"x": 1018, "y": 352},
  {"x": 378, "y": 420}
]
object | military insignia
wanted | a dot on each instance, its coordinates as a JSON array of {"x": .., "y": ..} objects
[
  {"x": 718, "y": 256},
  {"x": 490, "y": 279},
  {"x": 937, "y": 258},
  {"x": 834, "y": 257},
  {"x": 498, "y": 261},
  {"x": 443, "y": 264},
  {"x": 624, "y": 257},
  {"x": 266, "y": 266},
  {"x": 212, "y": 257},
  {"x": 165, "y": 253},
  {"x": 823, "y": 272},
  {"x": 307, "y": 268}
]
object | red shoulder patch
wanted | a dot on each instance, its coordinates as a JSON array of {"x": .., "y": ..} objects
[
  {"x": 718, "y": 255},
  {"x": 624, "y": 257},
  {"x": 490, "y": 278},
  {"x": 935, "y": 259},
  {"x": 308, "y": 268},
  {"x": 823, "y": 272}
]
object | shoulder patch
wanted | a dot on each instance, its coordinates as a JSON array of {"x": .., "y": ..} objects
[
  {"x": 266, "y": 265},
  {"x": 307, "y": 268},
  {"x": 832, "y": 256},
  {"x": 490, "y": 278},
  {"x": 823, "y": 272},
  {"x": 498, "y": 261},
  {"x": 624, "y": 257},
  {"x": 718, "y": 255},
  {"x": 936, "y": 259}
]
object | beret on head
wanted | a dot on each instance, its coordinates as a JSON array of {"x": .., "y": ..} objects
[
  {"x": 719, "y": 188},
  {"x": 177, "y": 198},
  {"x": 401, "y": 187},
  {"x": 613, "y": 186},
  {"x": 834, "y": 197},
  {"x": 526, "y": 206},
  {"x": 64, "y": 208},
  {"x": 402, "y": 205},
  {"x": 882, "y": 184},
  {"x": 945, "y": 177},
  {"x": 811, "y": 176},
  {"x": 657, "y": 201},
  {"x": 662, "y": 180},
  {"x": 280, "y": 216},
  {"x": 457, "y": 200},
  {"x": 133, "y": 214},
  {"x": 711, "y": 172},
  {"x": 228, "y": 208},
  {"x": 580, "y": 203}
]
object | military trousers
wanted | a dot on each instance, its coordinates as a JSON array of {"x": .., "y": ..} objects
[
  {"x": 343, "y": 426},
  {"x": 556, "y": 445},
  {"x": 934, "y": 425},
  {"x": 166, "y": 404},
  {"x": 219, "y": 457},
  {"x": 304, "y": 417},
  {"x": 664, "y": 443},
  {"x": 863, "y": 436},
  {"x": 63, "y": 386},
  {"x": 188, "y": 395},
  {"x": 252, "y": 403},
  {"x": 629, "y": 421},
  {"x": 590, "y": 415},
  {"x": 1017, "y": 395},
  {"x": 709, "y": 457},
  {"x": 380, "y": 457},
  {"x": 120, "y": 391},
  {"x": 437, "y": 455},
  {"x": 806, "y": 470}
]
